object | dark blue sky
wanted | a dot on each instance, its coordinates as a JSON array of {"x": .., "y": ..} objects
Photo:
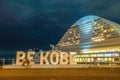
[{"x": 26, "y": 24}]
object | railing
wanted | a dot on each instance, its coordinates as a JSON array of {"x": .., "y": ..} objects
[{"x": 4, "y": 61}]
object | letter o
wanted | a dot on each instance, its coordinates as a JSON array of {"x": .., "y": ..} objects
[{"x": 53, "y": 55}]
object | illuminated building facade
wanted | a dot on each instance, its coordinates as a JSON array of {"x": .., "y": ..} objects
[{"x": 94, "y": 38}]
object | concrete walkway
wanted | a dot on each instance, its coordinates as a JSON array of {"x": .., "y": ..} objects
[{"x": 47, "y": 66}]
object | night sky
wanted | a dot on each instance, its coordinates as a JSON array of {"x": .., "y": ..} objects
[{"x": 29, "y": 24}]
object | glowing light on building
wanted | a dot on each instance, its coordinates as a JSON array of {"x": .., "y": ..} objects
[{"x": 95, "y": 38}]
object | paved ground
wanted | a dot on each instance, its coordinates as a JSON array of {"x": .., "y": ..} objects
[
  {"x": 92, "y": 73},
  {"x": 48, "y": 66}
]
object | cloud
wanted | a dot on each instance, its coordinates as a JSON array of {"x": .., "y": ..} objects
[
  {"x": 105, "y": 8},
  {"x": 37, "y": 23},
  {"x": 113, "y": 11}
]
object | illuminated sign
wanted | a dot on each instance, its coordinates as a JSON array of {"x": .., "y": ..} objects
[{"x": 50, "y": 57}]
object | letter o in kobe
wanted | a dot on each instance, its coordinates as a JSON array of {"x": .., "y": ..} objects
[{"x": 53, "y": 55}]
